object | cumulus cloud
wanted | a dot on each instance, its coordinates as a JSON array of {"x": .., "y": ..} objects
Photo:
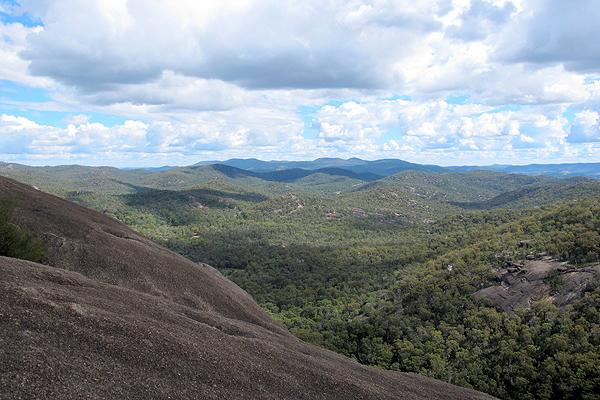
[
  {"x": 76, "y": 119},
  {"x": 21, "y": 135},
  {"x": 555, "y": 31},
  {"x": 170, "y": 92},
  {"x": 12, "y": 66},
  {"x": 312, "y": 78},
  {"x": 18, "y": 133},
  {"x": 254, "y": 44},
  {"x": 142, "y": 52},
  {"x": 479, "y": 19},
  {"x": 259, "y": 44},
  {"x": 440, "y": 126},
  {"x": 585, "y": 128},
  {"x": 242, "y": 130}
]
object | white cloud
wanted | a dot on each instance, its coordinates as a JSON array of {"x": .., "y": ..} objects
[
  {"x": 241, "y": 131},
  {"x": 76, "y": 119},
  {"x": 18, "y": 133},
  {"x": 422, "y": 48},
  {"x": 244, "y": 77},
  {"x": 555, "y": 31},
  {"x": 431, "y": 46},
  {"x": 13, "y": 39},
  {"x": 586, "y": 128},
  {"x": 443, "y": 127},
  {"x": 481, "y": 19},
  {"x": 21, "y": 135},
  {"x": 254, "y": 44}
]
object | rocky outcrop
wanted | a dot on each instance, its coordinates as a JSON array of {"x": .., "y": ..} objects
[{"x": 523, "y": 284}]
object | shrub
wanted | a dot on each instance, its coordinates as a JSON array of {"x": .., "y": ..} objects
[{"x": 15, "y": 241}]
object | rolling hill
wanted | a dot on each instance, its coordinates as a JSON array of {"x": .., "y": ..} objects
[
  {"x": 74, "y": 178},
  {"x": 464, "y": 186},
  {"x": 322, "y": 177},
  {"x": 537, "y": 195}
]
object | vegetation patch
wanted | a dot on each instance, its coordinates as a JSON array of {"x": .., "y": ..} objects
[{"x": 15, "y": 241}]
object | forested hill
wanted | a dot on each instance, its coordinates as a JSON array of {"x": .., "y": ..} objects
[
  {"x": 467, "y": 186},
  {"x": 470, "y": 186},
  {"x": 417, "y": 272},
  {"x": 354, "y": 170}
]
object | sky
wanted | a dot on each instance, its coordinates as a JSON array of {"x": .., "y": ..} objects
[{"x": 134, "y": 83}]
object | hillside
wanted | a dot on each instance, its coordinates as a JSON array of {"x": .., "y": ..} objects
[
  {"x": 62, "y": 179},
  {"x": 114, "y": 315},
  {"x": 470, "y": 186},
  {"x": 65, "y": 180},
  {"x": 537, "y": 194},
  {"x": 323, "y": 177}
]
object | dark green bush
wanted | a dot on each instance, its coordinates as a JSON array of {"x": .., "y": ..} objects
[{"x": 15, "y": 241}]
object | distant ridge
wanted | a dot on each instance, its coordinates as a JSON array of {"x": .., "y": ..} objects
[
  {"x": 556, "y": 170},
  {"x": 155, "y": 169},
  {"x": 388, "y": 167},
  {"x": 287, "y": 175},
  {"x": 384, "y": 167}
]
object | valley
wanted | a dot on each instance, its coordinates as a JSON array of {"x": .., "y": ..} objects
[{"x": 482, "y": 279}]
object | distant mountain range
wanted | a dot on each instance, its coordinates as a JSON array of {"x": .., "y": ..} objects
[
  {"x": 388, "y": 167},
  {"x": 373, "y": 170},
  {"x": 322, "y": 177},
  {"x": 384, "y": 167},
  {"x": 556, "y": 170}
]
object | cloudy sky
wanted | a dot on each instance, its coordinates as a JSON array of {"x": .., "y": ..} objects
[{"x": 174, "y": 82}]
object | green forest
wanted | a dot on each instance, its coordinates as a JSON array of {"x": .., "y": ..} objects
[{"x": 386, "y": 271}]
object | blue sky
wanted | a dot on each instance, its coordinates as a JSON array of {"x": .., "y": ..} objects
[{"x": 447, "y": 82}]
